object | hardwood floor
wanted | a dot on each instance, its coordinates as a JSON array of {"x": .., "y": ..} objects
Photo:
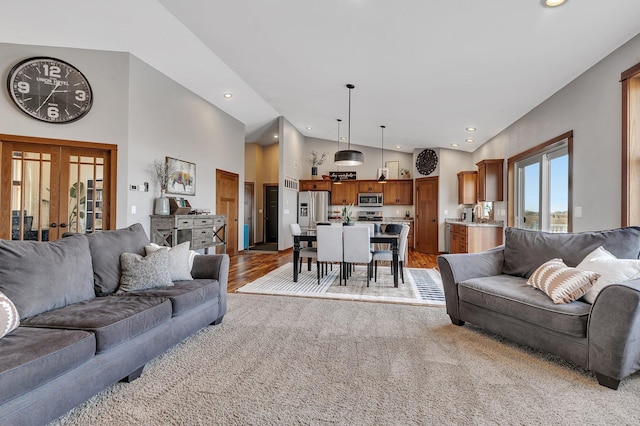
[{"x": 249, "y": 266}]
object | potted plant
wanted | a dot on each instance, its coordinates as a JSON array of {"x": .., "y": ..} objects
[
  {"x": 162, "y": 171},
  {"x": 346, "y": 215},
  {"x": 314, "y": 161}
]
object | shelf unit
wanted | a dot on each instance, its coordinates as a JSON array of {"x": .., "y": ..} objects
[
  {"x": 94, "y": 203},
  {"x": 202, "y": 231}
]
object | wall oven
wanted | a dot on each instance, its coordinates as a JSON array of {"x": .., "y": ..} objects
[{"x": 370, "y": 199}]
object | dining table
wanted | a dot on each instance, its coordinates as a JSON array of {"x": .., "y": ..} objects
[{"x": 309, "y": 236}]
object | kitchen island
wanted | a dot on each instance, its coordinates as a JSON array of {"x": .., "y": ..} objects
[{"x": 474, "y": 237}]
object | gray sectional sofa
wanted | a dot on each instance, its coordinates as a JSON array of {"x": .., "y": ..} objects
[
  {"x": 76, "y": 336},
  {"x": 490, "y": 290}
]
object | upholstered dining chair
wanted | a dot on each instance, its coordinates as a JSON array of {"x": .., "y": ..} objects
[
  {"x": 305, "y": 252},
  {"x": 357, "y": 247},
  {"x": 329, "y": 246},
  {"x": 388, "y": 254}
]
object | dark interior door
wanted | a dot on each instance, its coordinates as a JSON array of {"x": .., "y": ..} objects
[
  {"x": 271, "y": 216},
  {"x": 248, "y": 210}
]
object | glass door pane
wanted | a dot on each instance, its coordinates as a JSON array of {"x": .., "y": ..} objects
[
  {"x": 559, "y": 193},
  {"x": 86, "y": 196},
  {"x": 529, "y": 202}
]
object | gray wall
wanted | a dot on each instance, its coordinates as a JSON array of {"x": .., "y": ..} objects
[
  {"x": 591, "y": 107},
  {"x": 148, "y": 116}
]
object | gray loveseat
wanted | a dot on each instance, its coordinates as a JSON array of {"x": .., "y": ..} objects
[
  {"x": 489, "y": 290},
  {"x": 77, "y": 336}
]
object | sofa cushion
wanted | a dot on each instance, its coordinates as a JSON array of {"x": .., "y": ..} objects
[
  {"x": 512, "y": 296},
  {"x": 40, "y": 276},
  {"x": 113, "y": 319},
  {"x": 184, "y": 295},
  {"x": 180, "y": 260},
  {"x": 9, "y": 317},
  {"x": 611, "y": 270},
  {"x": 525, "y": 250},
  {"x": 560, "y": 282},
  {"x": 106, "y": 248},
  {"x": 31, "y": 357},
  {"x": 143, "y": 272}
]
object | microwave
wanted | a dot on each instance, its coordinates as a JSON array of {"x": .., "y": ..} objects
[{"x": 370, "y": 199}]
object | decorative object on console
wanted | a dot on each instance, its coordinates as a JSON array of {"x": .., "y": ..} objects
[
  {"x": 182, "y": 181},
  {"x": 50, "y": 90},
  {"x": 162, "y": 170},
  {"x": 349, "y": 157},
  {"x": 426, "y": 162},
  {"x": 314, "y": 162}
]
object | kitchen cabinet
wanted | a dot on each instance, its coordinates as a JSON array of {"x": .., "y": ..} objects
[
  {"x": 410, "y": 237},
  {"x": 314, "y": 185},
  {"x": 467, "y": 187},
  {"x": 490, "y": 180},
  {"x": 398, "y": 193},
  {"x": 344, "y": 193},
  {"x": 474, "y": 239},
  {"x": 370, "y": 186}
]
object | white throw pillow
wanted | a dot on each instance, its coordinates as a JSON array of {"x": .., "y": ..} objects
[
  {"x": 611, "y": 269},
  {"x": 180, "y": 260}
]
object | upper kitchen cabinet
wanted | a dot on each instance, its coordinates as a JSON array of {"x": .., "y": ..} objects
[
  {"x": 490, "y": 180},
  {"x": 344, "y": 193},
  {"x": 315, "y": 185},
  {"x": 370, "y": 186},
  {"x": 467, "y": 182},
  {"x": 398, "y": 192}
]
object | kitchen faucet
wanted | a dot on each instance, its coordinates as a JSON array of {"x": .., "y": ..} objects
[{"x": 478, "y": 215}]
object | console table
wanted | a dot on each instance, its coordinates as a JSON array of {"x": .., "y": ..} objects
[{"x": 202, "y": 231}]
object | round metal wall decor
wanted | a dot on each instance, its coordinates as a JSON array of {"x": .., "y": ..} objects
[{"x": 427, "y": 161}]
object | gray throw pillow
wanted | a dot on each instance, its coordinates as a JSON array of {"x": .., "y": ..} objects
[
  {"x": 41, "y": 276},
  {"x": 141, "y": 273},
  {"x": 179, "y": 265}
]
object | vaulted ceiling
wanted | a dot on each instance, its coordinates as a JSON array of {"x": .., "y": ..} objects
[{"x": 425, "y": 69}]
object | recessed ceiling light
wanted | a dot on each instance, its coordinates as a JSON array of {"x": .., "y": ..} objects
[
  {"x": 309, "y": 128},
  {"x": 471, "y": 129},
  {"x": 397, "y": 146},
  {"x": 469, "y": 140},
  {"x": 228, "y": 95},
  {"x": 455, "y": 145},
  {"x": 553, "y": 3},
  {"x": 342, "y": 138},
  {"x": 275, "y": 136}
]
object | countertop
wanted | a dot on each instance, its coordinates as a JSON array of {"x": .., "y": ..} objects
[{"x": 492, "y": 223}]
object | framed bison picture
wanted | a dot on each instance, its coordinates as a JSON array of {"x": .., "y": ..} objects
[{"x": 182, "y": 180}]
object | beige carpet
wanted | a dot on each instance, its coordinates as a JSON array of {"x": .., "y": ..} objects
[{"x": 288, "y": 360}]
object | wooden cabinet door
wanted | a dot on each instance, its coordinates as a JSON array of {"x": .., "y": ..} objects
[
  {"x": 398, "y": 192},
  {"x": 490, "y": 180},
  {"x": 370, "y": 186},
  {"x": 344, "y": 193},
  {"x": 315, "y": 185},
  {"x": 467, "y": 187}
]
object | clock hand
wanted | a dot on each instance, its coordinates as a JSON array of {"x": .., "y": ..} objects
[{"x": 50, "y": 94}]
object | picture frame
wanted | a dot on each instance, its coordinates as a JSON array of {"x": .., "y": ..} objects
[
  {"x": 383, "y": 171},
  {"x": 393, "y": 167},
  {"x": 183, "y": 180}
]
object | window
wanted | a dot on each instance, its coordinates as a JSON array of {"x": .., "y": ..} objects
[
  {"x": 630, "y": 146},
  {"x": 541, "y": 180}
]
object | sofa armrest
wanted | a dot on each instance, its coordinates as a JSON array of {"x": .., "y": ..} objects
[
  {"x": 213, "y": 266},
  {"x": 456, "y": 268},
  {"x": 614, "y": 331}
]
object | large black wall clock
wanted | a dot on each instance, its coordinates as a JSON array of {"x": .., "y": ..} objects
[
  {"x": 427, "y": 161},
  {"x": 50, "y": 90}
]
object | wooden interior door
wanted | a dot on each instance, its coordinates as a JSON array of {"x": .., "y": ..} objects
[
  {"x": 426, "y": 221},
  {"x": 249, "y": 209},
  {"x": 49, "y": 187},
  {"x": 227, "y": 204}
]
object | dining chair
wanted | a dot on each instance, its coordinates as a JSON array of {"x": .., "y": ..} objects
[
  {"x": 388, "y": 254},
  {"x": 329, "y": 246},
  {"x": 357, "y": 247},
  {"x": 305, "y": 252}
]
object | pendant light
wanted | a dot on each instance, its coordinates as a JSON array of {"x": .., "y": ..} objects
[
  {"x": 337, "y": 180},
  {"x": 382, "y": 178},
  {"x": 349, "y": 157}
]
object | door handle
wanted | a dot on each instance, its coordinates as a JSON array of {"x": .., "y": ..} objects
[
  {"x": 54, "y": 225},
  {"x": 63, "y": 225}
]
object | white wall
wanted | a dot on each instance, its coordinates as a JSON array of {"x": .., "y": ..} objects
[
  {"x": 591, "y": 107},
  {"x": 292, "y": 144},
  {"x": 144, "y": 113}
]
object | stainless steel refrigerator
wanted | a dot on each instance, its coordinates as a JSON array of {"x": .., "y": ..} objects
[{"x": 313, "y": 208}]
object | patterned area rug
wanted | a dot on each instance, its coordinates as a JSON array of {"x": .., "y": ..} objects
[{"x": 420, "y": 287}]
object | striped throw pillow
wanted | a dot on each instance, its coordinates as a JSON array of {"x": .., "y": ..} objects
[
  {"x": 560, "y": 282},
  {"x": 9, "y": 318}
]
